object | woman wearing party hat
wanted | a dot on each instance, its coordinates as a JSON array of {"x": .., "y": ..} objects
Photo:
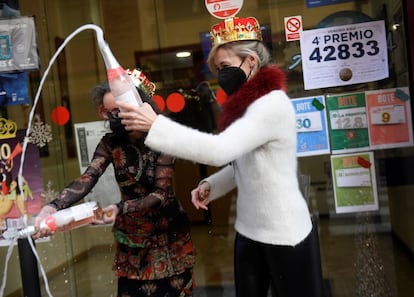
[{"x": 257, "y": 147}]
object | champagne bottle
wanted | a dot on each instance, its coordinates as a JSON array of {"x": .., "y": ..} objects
[
  {"x": 122, "y": 86},
  {"x": 73, "y": 217},
  {"x": 67, "y": 219}
]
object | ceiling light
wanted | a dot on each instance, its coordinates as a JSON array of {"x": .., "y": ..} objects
[{"x": 183, "y": 54}]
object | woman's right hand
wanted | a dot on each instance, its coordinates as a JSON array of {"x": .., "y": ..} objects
[
  {"x": 199, "y": 196},
  {"x": 44, "y": 212},
  {"x": 136, "y": 118}
]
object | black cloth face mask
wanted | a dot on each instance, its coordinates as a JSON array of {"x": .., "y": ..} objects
[
  {"x": 115, "y": 124},
  {"x": 230, "y": 79}
]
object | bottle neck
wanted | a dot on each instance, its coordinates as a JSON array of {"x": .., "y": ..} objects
[
  {"x": 113, "y": 73},
  {"x": 109, "y": 58}
]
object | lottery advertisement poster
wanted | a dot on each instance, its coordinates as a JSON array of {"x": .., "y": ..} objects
[
  {"x": 13, "y": 205},
  {"x": 311, "y": 126},
  {"x": 354, "y": 182},
  {"x": 389, "y": 118},
  {"x": 344, "y": 55},
  {"x": 348, "y": 124}
]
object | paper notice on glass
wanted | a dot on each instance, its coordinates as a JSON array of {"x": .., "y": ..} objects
[
  {"x": 344, "y": 55},
  {"x": 348, "y": 122},
  {"x": 311, "y": 126},
  {"x": 353, "y": 177},
  {"x": 88, "y": 135},
  {"x": 354, "y": 182},
  {"x": 389, "y": 118}
]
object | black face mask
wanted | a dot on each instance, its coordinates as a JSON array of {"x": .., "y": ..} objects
[
  {"x": 116, "y": 126},
  {"x": 230, "y": 79}
]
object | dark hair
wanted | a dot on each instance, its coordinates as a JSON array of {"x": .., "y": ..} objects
[{"x": 98, "y": 92}]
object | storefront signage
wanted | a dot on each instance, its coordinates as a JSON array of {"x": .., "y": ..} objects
[
  {"x": 348, "y": 124},
  {"x": 293, "y": 27},
  {"x": 344, "y": 55},
  {"x": 223, "y": 9},
  {"x": 354, "y": 183},
  {"x": 16, "y": 201},
  {"x": 311, "y": 126},
  {"x": 389, "y": 118},
  {"x": 18, "y": 47},
  {"x": 316, "y": 3}
]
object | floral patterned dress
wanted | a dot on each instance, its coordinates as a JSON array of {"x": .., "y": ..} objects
[{"x": 151, "y": 229}]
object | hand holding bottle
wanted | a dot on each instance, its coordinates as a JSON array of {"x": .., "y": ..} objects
[
  {"x": 137, "y": 118},
  {"x": 108, "y": 217},
  {"x": 43, "y": 214},
  {"x": 50, "y": 220}
]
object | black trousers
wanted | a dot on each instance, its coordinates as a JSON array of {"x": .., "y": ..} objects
[
  {"x": 289, "y": 271},
  {"x": 180, "y": 285}
]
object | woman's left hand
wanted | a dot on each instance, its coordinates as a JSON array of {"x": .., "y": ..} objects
[{"x": 108, "y": 216}]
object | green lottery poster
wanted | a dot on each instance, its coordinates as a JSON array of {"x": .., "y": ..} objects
[
  {"x": 389, "y": 118},
  {"x": 348, "y": 125},
  {"x": 354, "y": 182}
]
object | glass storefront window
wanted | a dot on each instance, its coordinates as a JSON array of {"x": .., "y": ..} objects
[{"x": 362, "y": 253}]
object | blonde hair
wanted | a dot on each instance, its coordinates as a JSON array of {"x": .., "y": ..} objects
[{"x": 242, "y": 49}]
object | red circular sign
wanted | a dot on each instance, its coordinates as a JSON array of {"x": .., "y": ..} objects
[
  {"x": 223, "y": 9},
  {"x": 293, "y": 25}
]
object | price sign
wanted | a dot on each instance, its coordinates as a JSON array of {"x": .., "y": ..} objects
[{"x": 344, "y": 55}]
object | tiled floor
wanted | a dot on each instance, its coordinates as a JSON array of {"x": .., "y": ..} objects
[{"x": 355, "y": 263}]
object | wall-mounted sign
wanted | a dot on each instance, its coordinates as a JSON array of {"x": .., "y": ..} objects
[
  {"x": 316, "y": 3},
  {"x": 223, "y": 9},
  {"x": 311, "y": 126},
  {"x": 344, "y": 55},
  {"x": 354, "y": 182},
  {"x": 293, "y": 27},
  {"x": 18, "y": 45},
  {"x": 389, "y": 118},
  {"x": 348, "y": 124}
]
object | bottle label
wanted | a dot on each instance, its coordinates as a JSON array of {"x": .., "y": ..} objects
[
  {"x": 114, "y": 73},
  {"x": 128, "y": 97},
  {"x": 82, "y": 211}
]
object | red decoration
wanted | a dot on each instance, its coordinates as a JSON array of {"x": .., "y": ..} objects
[
  {"x": 60, "y": 115},
  {"x": 159, "y": 101},
  {"x": 363, "y": 162},
  {"x": 175, "y": 102},
  {"x": 221, "y": 96}
]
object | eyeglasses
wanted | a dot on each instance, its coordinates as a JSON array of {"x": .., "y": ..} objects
[{"x": 113, "y": 114}]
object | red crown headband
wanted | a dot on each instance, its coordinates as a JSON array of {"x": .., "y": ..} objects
[
  {"x": 235, "y": 29},
  {"x": 141, "y": 81}
]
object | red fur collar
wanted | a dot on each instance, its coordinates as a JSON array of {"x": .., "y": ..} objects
[{"x": 266, "y": 80}]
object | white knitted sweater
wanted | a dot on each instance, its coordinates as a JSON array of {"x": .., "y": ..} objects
[{"x": 259, "y": 151}]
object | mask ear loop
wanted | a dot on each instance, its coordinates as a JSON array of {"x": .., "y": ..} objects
[{"x": 251, "y": 70}]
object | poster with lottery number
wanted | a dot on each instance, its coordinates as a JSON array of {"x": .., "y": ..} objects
[
  {"x": 344, "y": 55},
  {"x": 311, "y": 126},
  {"x": 389, "y": 118},
  {"x": 348, "y": 125}
]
